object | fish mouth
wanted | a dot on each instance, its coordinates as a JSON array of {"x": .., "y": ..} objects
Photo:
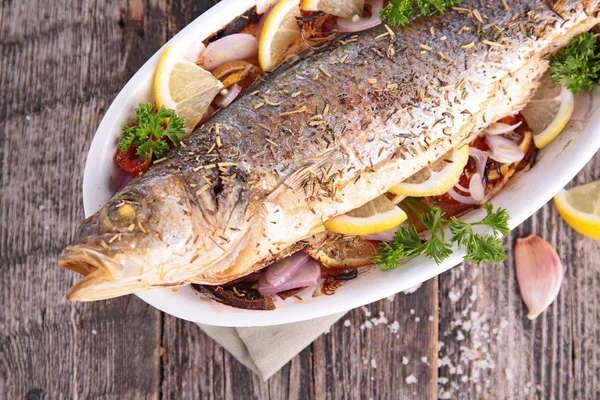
[
  {"x": 93, "y": 264},
  {"x": 84, "y": 260}
]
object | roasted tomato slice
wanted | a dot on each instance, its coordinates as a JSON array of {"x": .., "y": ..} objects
[{"x": 131, "y": 163}]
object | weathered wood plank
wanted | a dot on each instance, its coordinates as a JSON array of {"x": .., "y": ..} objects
[
  {"x": 360, "y": 358},
  {"x": 491, "y": 350},
  {"x": 61, "y": 66}
]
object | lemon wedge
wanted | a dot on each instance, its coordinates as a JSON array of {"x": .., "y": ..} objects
[
  {"x": 339, "y": 8},
  {"x": 436, "y": 179},
  {"x": 279, "y": 31},
  {"x": 181, "y": 85},
  {"x": 378, "y": 215},
  {"x": 549, "y": 111},
  {"x": 580, "y": 208}
]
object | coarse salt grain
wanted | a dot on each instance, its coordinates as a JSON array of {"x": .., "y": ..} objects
[
  {"x": 411, "y": 379},
  {"x": 373, "y": 363},
  {"x": 347, "y": 322},
  {"x": 394, "y": 326},
  {"x": 366, "y": 325},
  {"x": 453, "y": 296},
  {"x": 404, "y": 360},
  {"x": 366, "y": 311}
]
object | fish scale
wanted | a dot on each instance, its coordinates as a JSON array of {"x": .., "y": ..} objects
[{"x": 275, "y": 172}]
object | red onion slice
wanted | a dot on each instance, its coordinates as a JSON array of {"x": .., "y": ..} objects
[
  {"x": 460, "y": 198},
  {"x": 500, "y": 128},
  {"x": 504, "y": 150},
  {"x": 232, "y": 92},
  {"x": 480, "y": 158},
  {"x": 283, "y": 270},
  {"x": 476, "y": 188},
  {"x": 239, "y": 46},
  {"x": 584, "y": 104},
  {"x": 361, "y": 24},
  {"x": 308, "y": 275},
  {"x": 461, "y": 187}
]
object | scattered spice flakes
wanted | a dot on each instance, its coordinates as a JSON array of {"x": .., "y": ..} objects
[
  {"x": 271, "y": 102},
  {"x": 494, "y": 44},
  {"x": 374, "y": 50},
  {"x": 259, "y": 154},
  {"x": 468, "y": 45},
  {"x": 425, "y": 47},
  {"x": 104, "y": 245},
  {"x": 300, "y": 110},
  {"x": 159, "y": 160},
  {"x": 131, "y": 227},
  {"x": 444, "y": 57},
  {"x": 259, "y": 105},
  {"x": 296, "y": 94},
  {"x": 477, "y": 16},
  {"x": 389, "y": 30},
  {"x": 142, "y": 227},
  {"x": 382, "y": 36}
]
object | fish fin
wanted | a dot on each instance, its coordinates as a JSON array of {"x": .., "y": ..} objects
[{"x": 322, "y": 168}]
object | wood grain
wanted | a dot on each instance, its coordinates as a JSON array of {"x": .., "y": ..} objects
[{"x": 61, "y": 64}]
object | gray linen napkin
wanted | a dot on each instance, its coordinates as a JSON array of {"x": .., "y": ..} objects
[{"x": 264, "y": 350}]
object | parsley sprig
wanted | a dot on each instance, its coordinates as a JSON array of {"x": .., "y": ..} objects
[
  {"x": 400, "y": 12},
  {"x": 148, "y": 131},
  {"x": 480, "y": 248},
  {"x": 578, "y": 65}
]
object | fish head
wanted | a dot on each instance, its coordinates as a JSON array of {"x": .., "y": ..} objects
[{"x": 157, "y": 232}]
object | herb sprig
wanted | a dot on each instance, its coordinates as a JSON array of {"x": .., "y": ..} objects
[
  {"x": 480, "y": 248},
  {"x": 149, "y": 130},
  {"x": 400, "y": 12},
  {"x": 578, "y": 65}
]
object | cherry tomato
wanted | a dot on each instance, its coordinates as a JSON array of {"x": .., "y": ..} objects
[{"x": 131, "y": 163}]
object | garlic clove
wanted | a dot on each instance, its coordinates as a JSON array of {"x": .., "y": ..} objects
[{"x": 539, "y": 273}]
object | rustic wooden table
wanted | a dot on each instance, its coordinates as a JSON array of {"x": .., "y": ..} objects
[{"x": 461, "y": 335}]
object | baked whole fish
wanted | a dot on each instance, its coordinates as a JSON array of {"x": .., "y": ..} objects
[{"x": 338, "y": 129}]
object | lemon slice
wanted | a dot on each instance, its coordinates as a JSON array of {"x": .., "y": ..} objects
[
  {"x": 377, "y": 215},
  {"x": 279, "y": 31},
  {"x": 580, "y": 208},
  {"x": 525, "y": 145},
  {"x": 183, "y": 86},
  {"x": 549, "y": 111},
  {"x": 436, "y": 179},
  {"x": 339, "y": 8}
]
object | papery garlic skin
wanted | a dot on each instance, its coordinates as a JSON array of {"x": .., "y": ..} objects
[{"x": 539, "y": 273}]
